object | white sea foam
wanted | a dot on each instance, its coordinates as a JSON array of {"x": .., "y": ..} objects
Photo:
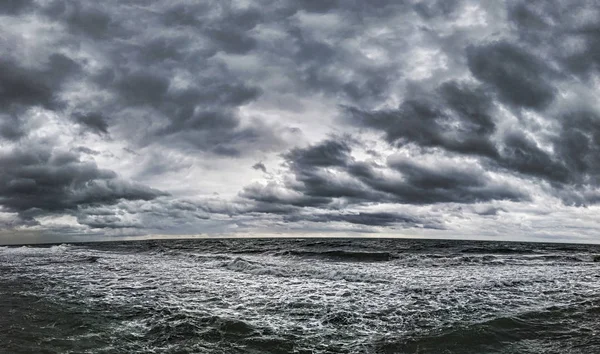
[
  {"x": 308, "y": 296},
  {"x": 32, "y": 250}
]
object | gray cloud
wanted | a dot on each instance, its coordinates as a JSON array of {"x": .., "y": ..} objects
[
  {"x": 136, "y": 70},
  {"x": 260, "y": 166},
  {"x": 93, "y": 121},
  {"x": 579, "y": 145},
  {"x": 21, "y": 87},
  {"x": 39, "y": 180},
  {"x": 523, "y": 155},
  {"x": 14, "y": 7},
  {"x": 85, "y": 150},
  {"x": 519, "y": 77},
  {"x": 461, "y": 121},
  {"x": 368, "y": 219},
  {"x": 444, "y": 183},
  {"x": 371, "y": 116},
  {"x": 456, "y": 117},
  {"x": 566, "y": 31},
  {"x": 332, "y": 152},
  {"x": 326, "y": 172}
]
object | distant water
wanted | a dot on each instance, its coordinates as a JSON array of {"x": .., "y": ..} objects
[{"x": 300, "y": 296}]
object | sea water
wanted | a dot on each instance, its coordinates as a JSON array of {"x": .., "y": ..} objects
[{"x": 300, "y": 296}]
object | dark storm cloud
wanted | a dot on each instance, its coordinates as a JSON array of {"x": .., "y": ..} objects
[
  {"x": 521, "y": 154},
  {"x": 14, "y": 7},
  {"x": 422, "y": 184},
  {"x": 260, "y": 166},
  {"x": 318, "y": 65},
  {"x": 431, "y": 9},
  {"x": 549, "y": 25},
  {"x": 519, "y": 77},
  {"x": 156, "y": 214},
  {"x": 273, "y": 194},
  {"x": 331, "y": 152},
  {"x": 41, "y": 180},
  {"x": 22, "y": 87},
  {"x": 326, "y": 172},
  {"x": 367, "y": 219},
  {"x": 481, "y": 106},
  {"x": 567, "y": 35},
  {"x": 456, "y": 117},
  {"x": 86, "y": 19},
  {"x": 86, "y": 150},
  {"x": 138, "y": 69},
  {"x": 460, "y": 119},
  {"x": 235, "y": 42},
  {"x": 93, "y": 121},
  {"x": 316, "y": 187},
  {"x": 11, "y": 127},
  {"x": 106, "y": 221},
  {"x": 310, "y": 168},
  {"x": 491, "y": 211},
  {"x": 579, "y": 145},
  {"x": 202, "y": 116}
]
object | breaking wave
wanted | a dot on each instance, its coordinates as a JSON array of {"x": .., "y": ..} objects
[
  {"x": 300, "y": 296},
  {"x": 343, "y": 255},
  {"x": 534, "y": 331}
]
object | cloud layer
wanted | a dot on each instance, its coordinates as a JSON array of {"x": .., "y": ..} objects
[{"x": 426, "y": 118}]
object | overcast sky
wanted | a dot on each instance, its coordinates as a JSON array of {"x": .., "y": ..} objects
[{"x": 448, "y": 118}]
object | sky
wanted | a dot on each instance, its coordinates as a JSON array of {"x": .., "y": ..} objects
[{"x": 420, "y": 118}]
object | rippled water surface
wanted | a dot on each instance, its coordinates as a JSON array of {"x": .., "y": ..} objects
[{"x": 300, "y": 296}]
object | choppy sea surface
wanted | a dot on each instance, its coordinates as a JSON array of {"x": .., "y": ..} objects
[{"x": 300, "y": 296}]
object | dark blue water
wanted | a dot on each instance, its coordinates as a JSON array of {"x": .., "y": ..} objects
[{"x": 300, "y": 296}]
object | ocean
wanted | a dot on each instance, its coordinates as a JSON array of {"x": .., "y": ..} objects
[{"x": 300, "y": 296}]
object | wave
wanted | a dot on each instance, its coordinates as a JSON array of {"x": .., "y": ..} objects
[
  {"x": 37, "y": 250},
  {"x": 470, "y": 257},
  {"x": 497, "y": 250},
  {"x": 343, "y": 255},
  {"x": 288, "y": 271},
  {"x": 255, "y": 268},
  {"x": 163, "y": 328},
  {"x": 207, "y": 333},
  {"x": 516, "y": 334},
  {"x": 523, "y": 259},
  {"x": 564, "y": 258}
]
